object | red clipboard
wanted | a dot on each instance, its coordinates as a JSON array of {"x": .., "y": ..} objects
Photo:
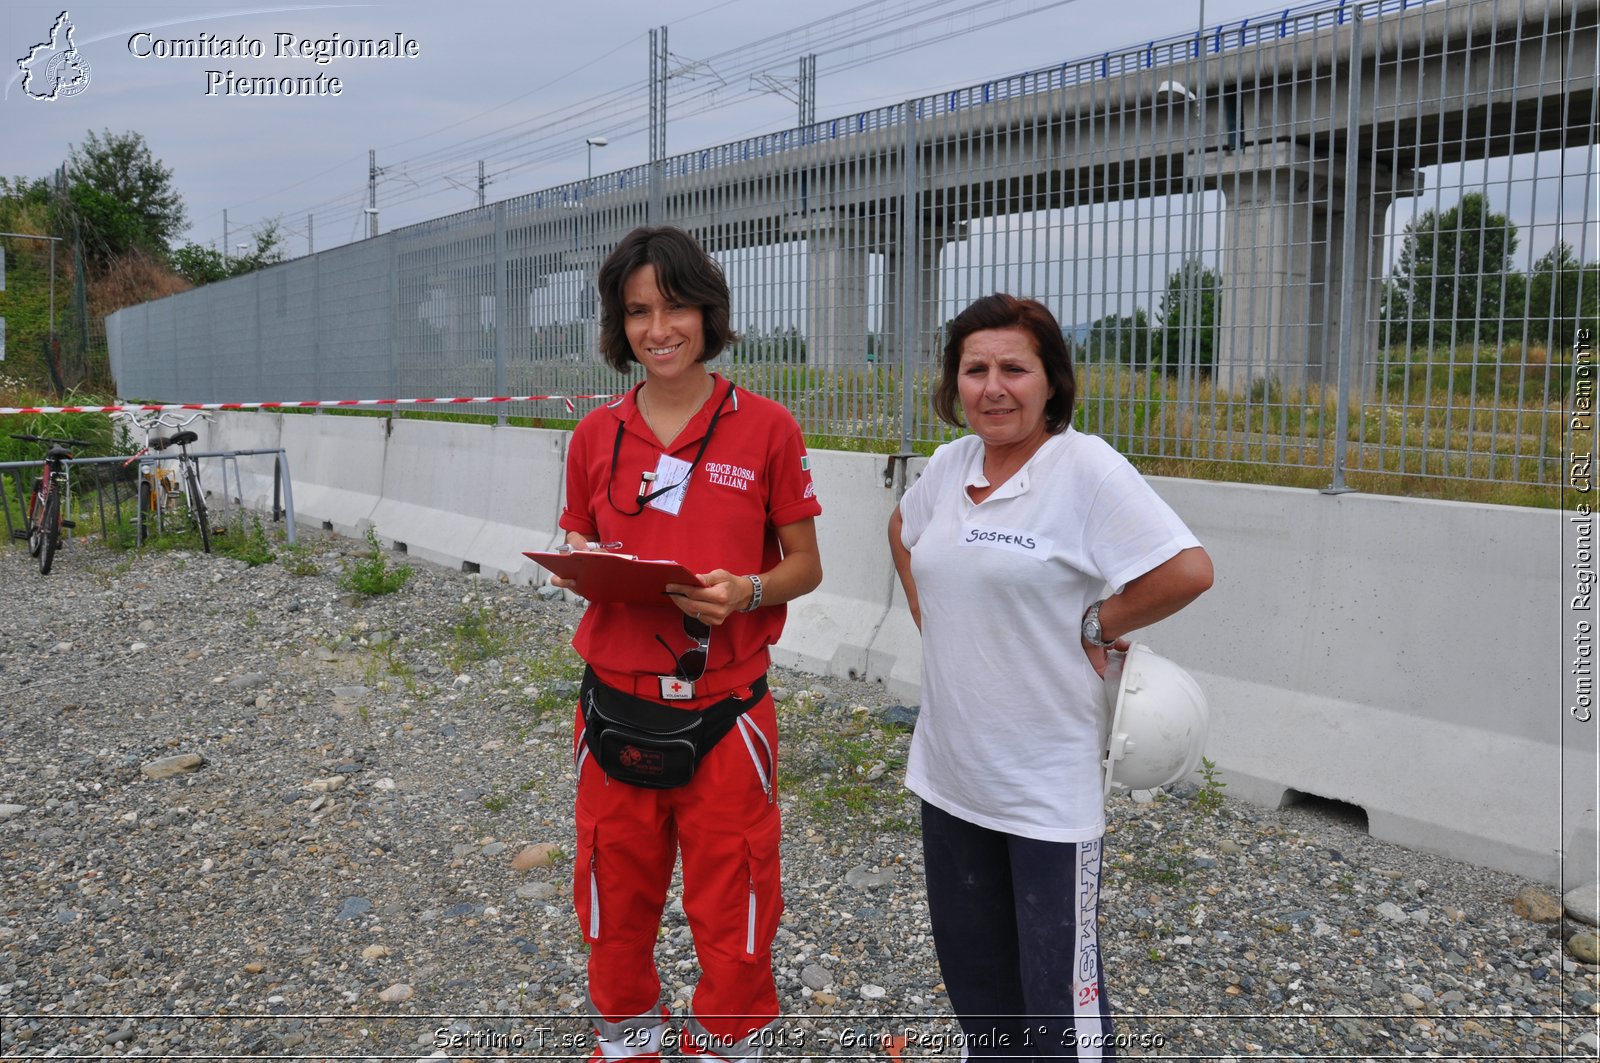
[{"x": 603, "y": 577}]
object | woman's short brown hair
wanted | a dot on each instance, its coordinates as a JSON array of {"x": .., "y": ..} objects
[
  {"x": 683, "y": 272},
  {"x": 999, "y": 311}
]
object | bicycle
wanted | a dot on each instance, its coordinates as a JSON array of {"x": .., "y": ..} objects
[
  {"x": 161, "y": 492},
  {"x": 49, "y": 498}
]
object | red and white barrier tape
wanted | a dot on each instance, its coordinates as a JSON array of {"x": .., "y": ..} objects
[{"x": 342, "y": 403}]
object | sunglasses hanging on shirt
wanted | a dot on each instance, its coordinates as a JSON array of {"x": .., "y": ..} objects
[
  {"x": 690, "y": 665},
  {"x": 645, "y": 495}
]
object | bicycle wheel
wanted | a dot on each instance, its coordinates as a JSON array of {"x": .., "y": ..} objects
[
  {"x": 50, "y": 532},
  {"x": 33, "y": 525},
  {"x": 197, "y": 505},
  {"x": 147, "y": 510}
]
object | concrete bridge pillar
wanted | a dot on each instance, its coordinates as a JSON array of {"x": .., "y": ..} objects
[
  {"x": 1283, "y": 267},
  {"x": 836, "y": 288},
  {"x": 932, "y": 239}
]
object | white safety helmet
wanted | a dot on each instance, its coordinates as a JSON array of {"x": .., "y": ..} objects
[{"x": 1159, "y": 721}]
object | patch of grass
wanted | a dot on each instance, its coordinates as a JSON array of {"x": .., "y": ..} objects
[
  {"x": 479, "y": 635},
  {"x": 96, "y": 429},
  {"x": 169, "y": 529},
  {"x": 1209, "y": 797},
  {"x": 371, "y": 575},
  {"x": 553, "y": 673},
  {"x": 497, "y": 801},
  {"x": 1477, "y": 427},
  {"x": 381, "y": 663},
  {"x": 1431, "y": 437},
  {"x": 253, "y": 547},
  {"x": 1165, "y": 868},
  {"x": 299, "y": 560},
  {"x": 854, "y": 771},
  {"x": 121, "y": 533},
  {"x": 172, "y": 532}
]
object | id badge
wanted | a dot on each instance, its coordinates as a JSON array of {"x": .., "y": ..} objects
[
  {"x": 675, "y": 689},
  {"x": 671, "y": 470}
]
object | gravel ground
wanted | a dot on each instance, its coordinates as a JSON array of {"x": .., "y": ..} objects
[{"x": 365, "y": 850}]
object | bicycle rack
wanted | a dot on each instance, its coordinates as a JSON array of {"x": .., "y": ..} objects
[
  {"x": 236, "y": 496},
  {"x": 20, "y": 472},
  {"x": 21, "y": 476},
  {"x": 15, "y": 524}
]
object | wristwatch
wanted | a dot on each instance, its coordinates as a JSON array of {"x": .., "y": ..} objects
[{"x": 1091, "y": 627}]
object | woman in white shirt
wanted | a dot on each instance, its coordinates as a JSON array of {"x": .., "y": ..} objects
[{"x": 1004, "y": 545}]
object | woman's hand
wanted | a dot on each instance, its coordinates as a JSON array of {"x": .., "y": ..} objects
[
  {"x": 575, "y": 542},
  {"x": 723, "y": 595},
  {"x": 1153, "y": 596},
  {"x": 1100, "y": 656}
]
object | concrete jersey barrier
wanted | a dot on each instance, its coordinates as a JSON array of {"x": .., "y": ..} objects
[{"x": 1398, "y": 655}]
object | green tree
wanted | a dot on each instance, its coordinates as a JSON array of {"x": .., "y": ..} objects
[
  {"x": 1563, "y": 296},
  {"x": 1454, "y": 283},
  {"x": 1191, "y": 286},
  {"x": 202, "y": 265},
  {"x": 25, "y": 205},
  {"x": 122, "y": 197},
  {"x": 784, "y": 344},
  {"x": 1124, "y": 338}
]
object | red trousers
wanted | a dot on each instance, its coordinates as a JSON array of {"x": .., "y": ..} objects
[{"x": 726, "y": 824}]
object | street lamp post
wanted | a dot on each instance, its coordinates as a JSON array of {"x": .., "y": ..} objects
[
  {"x": 592, "y": 143},
  {"x": 590, "y": 307}
]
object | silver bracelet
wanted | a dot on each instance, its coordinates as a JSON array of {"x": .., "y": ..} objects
[{"x": 755, "y": 599}]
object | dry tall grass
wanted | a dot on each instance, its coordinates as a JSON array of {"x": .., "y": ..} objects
[
  {"x": 131, "y": 279},
  {"x": 1429, "y": 430}
]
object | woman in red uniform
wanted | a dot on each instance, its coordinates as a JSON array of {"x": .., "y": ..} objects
[{"x": 685, "y": 467}]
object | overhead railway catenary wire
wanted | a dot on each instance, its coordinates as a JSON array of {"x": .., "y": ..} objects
[
  {"x": 709, "y": 98},
  {"x": 1212, "y": 37},
  {"x": 744, "y": 59},
  {"x": 463, "y": 146},
  {"x": 456, "y": 149},
  {"x": 712, "y": 96},
  {"x": 620, "y": 108},
  {"x": 623, "y": 102}
]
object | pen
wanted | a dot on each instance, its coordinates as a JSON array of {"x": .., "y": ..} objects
[{"x": 567, "y": 548}]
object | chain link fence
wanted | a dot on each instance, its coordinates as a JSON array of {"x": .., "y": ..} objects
[{"x": 1354, "y": 239}]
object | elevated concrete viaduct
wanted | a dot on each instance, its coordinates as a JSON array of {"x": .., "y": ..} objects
[{"x": 1268, "y": 120}]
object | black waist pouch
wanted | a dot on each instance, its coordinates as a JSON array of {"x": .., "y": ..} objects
[{"x": 646, "y": 743}]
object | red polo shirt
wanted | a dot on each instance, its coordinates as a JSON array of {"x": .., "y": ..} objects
[{"x": 753, "y": 478}]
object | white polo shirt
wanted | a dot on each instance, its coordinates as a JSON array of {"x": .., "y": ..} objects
[{"x": 1009, "y": 735}]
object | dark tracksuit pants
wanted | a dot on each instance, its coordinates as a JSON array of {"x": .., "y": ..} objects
[{"x": 1014, "y": 924}]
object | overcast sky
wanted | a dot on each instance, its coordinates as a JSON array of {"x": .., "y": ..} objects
[{"x": 517, "y": 85}]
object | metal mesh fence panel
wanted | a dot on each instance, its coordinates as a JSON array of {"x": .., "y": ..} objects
[{"x": 1352, "y": 238}]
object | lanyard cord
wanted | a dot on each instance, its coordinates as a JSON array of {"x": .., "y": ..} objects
[{"x": 643, "y": 499}]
